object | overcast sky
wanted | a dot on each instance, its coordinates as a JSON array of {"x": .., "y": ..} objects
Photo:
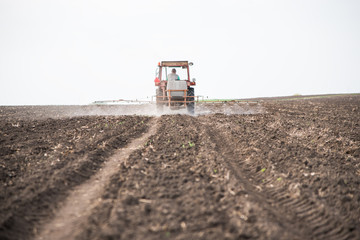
[{"x": 77, "y": 52}]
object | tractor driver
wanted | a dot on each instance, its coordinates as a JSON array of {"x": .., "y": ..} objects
[{"x": 173, "y": 76}]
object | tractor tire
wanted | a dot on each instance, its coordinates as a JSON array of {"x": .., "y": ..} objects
[{"x": 191, "y": 105}]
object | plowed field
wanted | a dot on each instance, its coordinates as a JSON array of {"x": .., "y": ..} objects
[{"x": 277, "y": 169}]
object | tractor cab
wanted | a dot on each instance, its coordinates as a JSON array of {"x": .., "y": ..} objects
[{"x": 181, "y": 67}]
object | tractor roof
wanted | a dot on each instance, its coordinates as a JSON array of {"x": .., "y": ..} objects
[{"x": 174, "y": 63}]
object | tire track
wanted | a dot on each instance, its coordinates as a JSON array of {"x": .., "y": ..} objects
[
  {"x": 311, "y": 217},
  {"x": 282, "y": 222},
  {"x": 85, "y": 197}
]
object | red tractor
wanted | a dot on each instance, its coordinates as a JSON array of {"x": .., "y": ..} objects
[{"x": 174, "y": 88}]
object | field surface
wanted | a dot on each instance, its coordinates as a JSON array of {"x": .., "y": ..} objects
[{"x": 269, "y": 169}]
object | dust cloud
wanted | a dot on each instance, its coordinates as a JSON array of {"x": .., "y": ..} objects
[{"x": 148, "y": 109}]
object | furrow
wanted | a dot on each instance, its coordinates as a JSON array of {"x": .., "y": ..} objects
[
  {"x": 335, "y": 231},
  {"x": 296, "y": 203},
  {"x": 308, "y": 212}
]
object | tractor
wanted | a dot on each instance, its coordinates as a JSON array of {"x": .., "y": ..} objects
[{"x": 174, "y": 88}]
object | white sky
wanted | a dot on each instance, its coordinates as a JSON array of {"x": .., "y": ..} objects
[{"x": 77, "y": 52}]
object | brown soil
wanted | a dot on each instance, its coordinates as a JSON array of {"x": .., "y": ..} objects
[
  {"x": 288, "y": 171},
  {"x": 42, "y": 160}
]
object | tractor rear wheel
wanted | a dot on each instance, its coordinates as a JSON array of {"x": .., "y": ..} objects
[{"x": 191, "y": 105}]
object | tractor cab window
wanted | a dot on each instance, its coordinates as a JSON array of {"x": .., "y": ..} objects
[{"x": 182, "y": 72}]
